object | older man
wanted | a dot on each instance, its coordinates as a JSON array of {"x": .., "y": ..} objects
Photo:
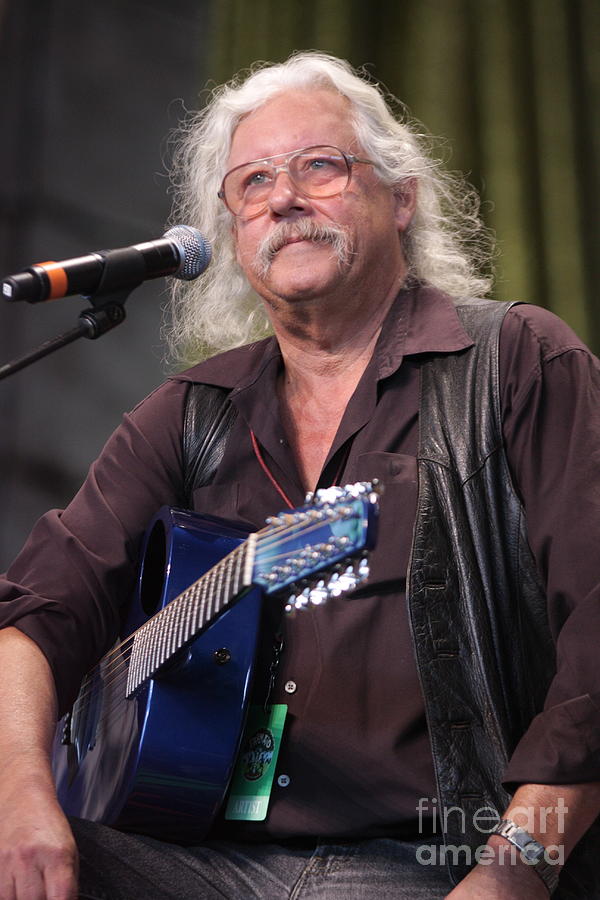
[{"x": 460, "y": 683}]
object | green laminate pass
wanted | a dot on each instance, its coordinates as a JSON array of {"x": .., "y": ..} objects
[{"x": 255, "y": 767}]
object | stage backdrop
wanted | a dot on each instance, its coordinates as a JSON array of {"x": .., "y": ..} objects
[{"x": 89, "y": 94}]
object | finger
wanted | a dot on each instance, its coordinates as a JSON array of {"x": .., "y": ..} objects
[
  {"x": 29, "y": 884},
  {"x": 7, "y": 884},
  {"x": 62, "y": 879},
  {"x": 61, "y": 884}
]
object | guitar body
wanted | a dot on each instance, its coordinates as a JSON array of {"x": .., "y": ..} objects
[{"x": 159, "y": 762}]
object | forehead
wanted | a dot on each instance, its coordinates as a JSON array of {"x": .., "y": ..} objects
[{"x": 292, "y": 120}]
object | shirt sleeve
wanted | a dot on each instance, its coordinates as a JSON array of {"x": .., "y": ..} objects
[
  {"x": 77, "y": 570},
  {"x": 551, "y": 421}
]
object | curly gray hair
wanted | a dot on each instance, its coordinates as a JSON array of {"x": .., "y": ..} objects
[{"x": 446, "y": 244}]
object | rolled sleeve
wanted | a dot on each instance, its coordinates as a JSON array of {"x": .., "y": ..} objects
[
  {"x": 77, "y": 570},
  {"x": 551, "y": 407}
]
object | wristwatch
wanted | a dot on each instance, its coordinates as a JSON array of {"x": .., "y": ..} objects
[{"x": 532, "y": 851}]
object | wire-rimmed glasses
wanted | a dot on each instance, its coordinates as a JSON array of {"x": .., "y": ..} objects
[{"x": 320, "y": 171}]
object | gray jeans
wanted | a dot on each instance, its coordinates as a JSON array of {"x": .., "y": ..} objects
[{"x": 116, "y": 866}]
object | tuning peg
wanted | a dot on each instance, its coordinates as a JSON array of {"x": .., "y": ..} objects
[
  {"x": 363, "y": 569},
  {"x": 319, "y": 594},
  {"x": 274, "y": 521},
  {"x": 345, "y": 581}
]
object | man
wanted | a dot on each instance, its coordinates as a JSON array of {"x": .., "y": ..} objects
[{"x": 402, "y": 721}]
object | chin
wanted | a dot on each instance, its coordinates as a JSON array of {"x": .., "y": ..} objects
[
  {"x": 306, "y": 283},
  {"x": 298, "y": 292}
]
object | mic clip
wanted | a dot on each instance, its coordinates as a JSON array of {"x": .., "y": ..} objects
[{"x": 123, "y": 271}]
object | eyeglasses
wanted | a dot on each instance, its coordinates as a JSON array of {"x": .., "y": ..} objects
[{"x": 315, "y": 171}]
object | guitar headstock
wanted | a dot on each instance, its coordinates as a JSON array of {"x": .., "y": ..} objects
[{"x": 312, "y": 547}]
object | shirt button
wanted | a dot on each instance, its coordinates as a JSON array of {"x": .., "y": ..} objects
[
  {"x": 290, "y": 687},
  {"x": 283, "y": 780}
]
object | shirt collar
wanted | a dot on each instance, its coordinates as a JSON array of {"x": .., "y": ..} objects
[
  {"x": 422, "y": 319},
  {"x": 238, "y": 368}
]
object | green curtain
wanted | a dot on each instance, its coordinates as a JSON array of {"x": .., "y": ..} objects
[{"x": 514, "y": 85}]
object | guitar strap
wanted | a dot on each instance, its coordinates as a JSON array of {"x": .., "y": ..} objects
[{"x": 207, "y": 422}]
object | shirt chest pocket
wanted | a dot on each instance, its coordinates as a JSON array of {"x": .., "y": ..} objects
[{"x": 397, "y": 473}]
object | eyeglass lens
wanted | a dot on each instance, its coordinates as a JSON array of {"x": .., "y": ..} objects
[{"x": 317, "y": 172}]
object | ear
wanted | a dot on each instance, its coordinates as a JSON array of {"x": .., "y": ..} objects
[{"x": 405, "y": 201}]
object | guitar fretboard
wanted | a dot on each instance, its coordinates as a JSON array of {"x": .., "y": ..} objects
[{"x": 162, "y": 636}]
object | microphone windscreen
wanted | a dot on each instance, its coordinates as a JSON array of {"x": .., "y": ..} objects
[{"x": 195, "y": 251}]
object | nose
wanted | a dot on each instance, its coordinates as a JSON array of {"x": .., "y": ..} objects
[{"x": 285, "y": 198}]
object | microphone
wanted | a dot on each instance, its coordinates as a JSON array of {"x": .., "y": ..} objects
[{"x": 182, "y": 252}]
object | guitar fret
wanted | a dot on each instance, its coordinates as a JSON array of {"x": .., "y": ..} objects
[
  {"x": 158, "y": 631},
  {"x": 163, "y": 635},
  {"x": 192, "y": 615},
  {"x": 239, "y": 558},
  {"x": 219, "y": 573},
  {"x": 200, "y": 618},
  {"x": 187, "y": 629},
  {"x": 200, "y": 604},
  {"x": 143, "y": 652},
  {"x": 176, "y": 607},
  {"x": 138, "y": 654},
  {"x": 175, "y": 610},
  {"x": 132, "y": 668},
  {"x": 249, "y": 554},
  {"x": 211, "y": 595},
  {"x": 152, "y": 645},
  {"x": 228, "y": 565},
  {"x": 178, "y": 632}
]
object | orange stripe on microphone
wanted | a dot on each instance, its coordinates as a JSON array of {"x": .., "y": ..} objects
[{"x": 57, "y": 277}]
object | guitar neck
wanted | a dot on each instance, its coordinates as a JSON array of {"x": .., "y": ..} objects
[
  {"x": 166, "y": 633},
  {"x": 293, "y": 547}
]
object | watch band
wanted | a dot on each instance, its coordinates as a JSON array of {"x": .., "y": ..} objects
[{"x": 531, "y": 850}]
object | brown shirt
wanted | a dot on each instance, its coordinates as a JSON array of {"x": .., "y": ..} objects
[{"x": 355, "y": 750}]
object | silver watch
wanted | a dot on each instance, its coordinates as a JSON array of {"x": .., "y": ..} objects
[{"x": 532, "y": 851}]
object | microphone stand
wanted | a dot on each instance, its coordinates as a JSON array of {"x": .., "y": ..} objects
[{"x": 119, "y": 279}]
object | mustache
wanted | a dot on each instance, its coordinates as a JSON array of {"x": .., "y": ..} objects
[{"x": 307, "y": 230}]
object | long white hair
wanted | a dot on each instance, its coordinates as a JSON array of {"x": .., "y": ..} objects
[{"x": 446, "y": 244}]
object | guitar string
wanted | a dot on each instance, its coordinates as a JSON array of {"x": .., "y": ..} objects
[
  {"x": 113, "y": 670},
  {"x": 117, "y": 658},
  {"x": 267, "y": 532},
  {"x": 114, "y": 659},
  {"x": 294, "y": 531},
  {"x": 109, "y": 711},
  {"x": 114, "y": 667},
  {"x": 262, "y": 543},
  {"x": 112, "y": 707}
]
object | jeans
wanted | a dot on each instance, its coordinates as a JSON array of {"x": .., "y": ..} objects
[{"x": 117, "y": 866}]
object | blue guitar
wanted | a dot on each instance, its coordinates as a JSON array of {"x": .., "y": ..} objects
[{"x": 152, "y": 738}]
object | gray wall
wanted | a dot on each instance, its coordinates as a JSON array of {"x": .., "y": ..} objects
[{"x": 88, "y": 95}]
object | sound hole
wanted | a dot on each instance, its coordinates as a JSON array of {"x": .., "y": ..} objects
[{"x": 152, "y": 575}]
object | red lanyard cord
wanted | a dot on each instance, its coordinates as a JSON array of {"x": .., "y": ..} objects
[
  {"x": 267, "y": 471},
  {"x": 274, "y": 481}
]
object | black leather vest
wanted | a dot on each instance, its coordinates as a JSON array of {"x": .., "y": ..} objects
[{"x": 477, "y": 608}]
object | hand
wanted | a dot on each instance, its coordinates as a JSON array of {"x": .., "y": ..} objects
[
  {"x": 38, "y": 855},
  {"x": 516, "y": 881}
]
